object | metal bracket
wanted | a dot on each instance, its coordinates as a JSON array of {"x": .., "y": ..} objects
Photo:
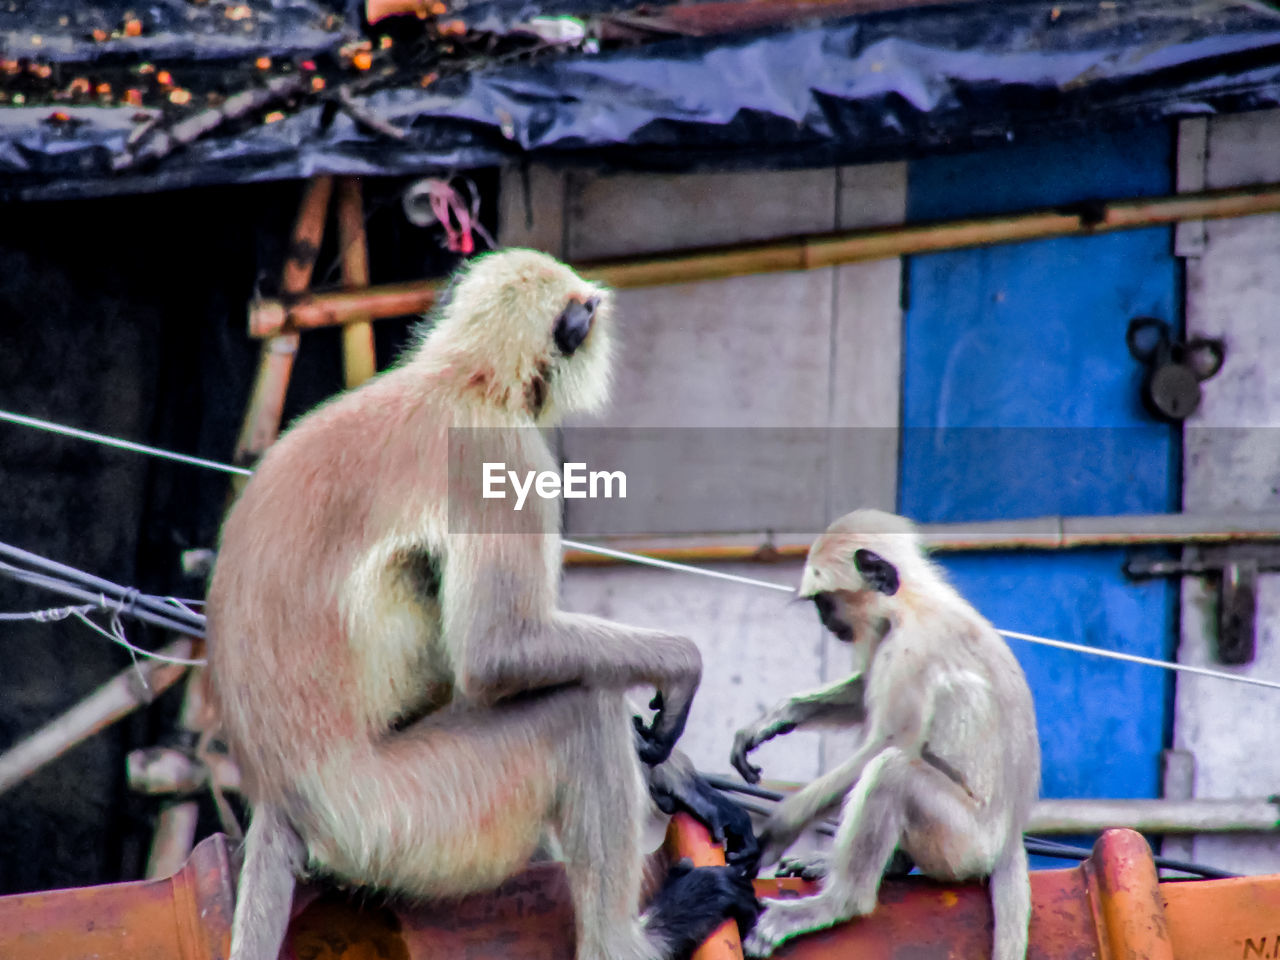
[{"x": 1236, "y": 567}]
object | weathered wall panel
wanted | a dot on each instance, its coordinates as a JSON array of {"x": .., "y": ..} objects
[{"x": 1232, "y": 460}]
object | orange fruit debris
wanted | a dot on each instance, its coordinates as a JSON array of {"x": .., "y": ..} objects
[
  {"x": 317, "y": 84},
  {"x": 362, "y": 60},
  {"x": 133, "y": 28},
  {"x": 263, "y": 63},
  {"x": 452, "y": 28},
  {"x": 164, "y": 78},
  {"x": 275, "y": 116},
  {"x": 179, "y": 96},
  {"x": 99, "y": 35}
]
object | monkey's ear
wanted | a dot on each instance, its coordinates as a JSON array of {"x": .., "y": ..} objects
[{"x": 879, "y": 573}]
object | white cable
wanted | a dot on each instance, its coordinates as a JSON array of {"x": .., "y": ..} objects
[
  {"x": 647, "y": 561},
  {"x": 124, "y": 642},
  {"x": 122, "y": 444},
  {"x": 671, "y": 565},
  {"x": 1134, "y": 658}
]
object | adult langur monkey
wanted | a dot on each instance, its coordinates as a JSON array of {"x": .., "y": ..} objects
[
  {"x": 949, "y": 764},
  {"x": 409, "y": 708}
]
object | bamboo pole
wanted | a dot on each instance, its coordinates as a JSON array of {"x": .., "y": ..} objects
[
  {"x": 1155, "y": 816},
  {"x": 116, "y": 698},
  {"x": 275, "y": 363},
  {"x": 270, "y": 317},
  {"x": 163, "y": 770},
  {"x": 338, "y": 307},
  {"x": 174, "y": 837},
  {"x": 175, "y": 832},
  {"x": 358, "y": 360},
  {"x": 1037, "y": 533}
]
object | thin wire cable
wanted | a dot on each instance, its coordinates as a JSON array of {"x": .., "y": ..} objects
[
  {"x": 641, "y": 559},
  {"x": 128, "y": 597},
  {"x": 50, "y": 427},
  {"x": 651, "y": 561},
  {"x": 1012, "y": 634},
  {"x": 1041, "y": 846},
  {"x": 97, "y": 600},
  {"x": 49, "y": 615},
  {"x": 117, "y": 636},
  {"x": 1146, "y": 661}
]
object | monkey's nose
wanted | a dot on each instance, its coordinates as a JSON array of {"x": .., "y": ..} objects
[{"x": 573, "y": 325}]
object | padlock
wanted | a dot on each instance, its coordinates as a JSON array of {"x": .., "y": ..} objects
[{"x": 1175, "y": 370}]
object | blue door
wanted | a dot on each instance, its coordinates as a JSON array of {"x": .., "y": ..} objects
[{"x": 1020, "y": 399}]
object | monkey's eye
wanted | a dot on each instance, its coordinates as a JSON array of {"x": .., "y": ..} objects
[{"x": 573, "y": 325}]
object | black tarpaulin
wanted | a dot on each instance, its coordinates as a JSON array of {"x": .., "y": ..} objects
[{"x": 860, "y": 88}]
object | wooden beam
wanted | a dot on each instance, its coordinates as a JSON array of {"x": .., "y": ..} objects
[{"x": 812, "y": 252}]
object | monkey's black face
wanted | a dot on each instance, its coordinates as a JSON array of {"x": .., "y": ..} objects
[
  {"x": 832, "y": 613},
  {"x": 573, "y": 325}
]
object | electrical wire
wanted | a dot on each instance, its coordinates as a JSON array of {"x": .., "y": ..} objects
[
  {"x": 65, "y": 431},
  {"x": 173, "y": 614},
  {"x": 1038, "y": 846}
]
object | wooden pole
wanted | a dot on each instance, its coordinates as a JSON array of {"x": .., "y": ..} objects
[
  {"x": 175, "y": 832},
  {"x": 275, "y": 363},
  {"x": 358, "y": 360},
  {"x": 270, "y": 317},
  {"x": 1033, "y": 533},
  {"x": 117, "y": 698}
]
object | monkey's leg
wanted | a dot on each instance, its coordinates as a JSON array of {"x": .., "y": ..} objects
[
  {"x": 453, "y": 804},
  {"x": 599, "y": 822},
  {"x": 895, "y": 800},
  {"x": 273, "y": 855}
]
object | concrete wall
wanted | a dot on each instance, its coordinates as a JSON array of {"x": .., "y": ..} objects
[
  {"x": 693, "y": 355},
  {"x": 1232, "y": 461}
]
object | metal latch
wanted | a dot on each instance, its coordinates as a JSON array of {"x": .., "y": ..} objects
[{"x": 1236, "y": 568}]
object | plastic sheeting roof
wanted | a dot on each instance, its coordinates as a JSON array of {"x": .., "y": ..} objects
[{"x": 803, "y": 91}]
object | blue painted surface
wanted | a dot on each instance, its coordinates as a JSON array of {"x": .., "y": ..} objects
[{"x": 1020, "y": 399}]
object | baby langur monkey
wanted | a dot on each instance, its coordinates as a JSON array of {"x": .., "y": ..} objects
[
  {"x": 409, "y": 707},
  {"x": 949, "y": 763}
]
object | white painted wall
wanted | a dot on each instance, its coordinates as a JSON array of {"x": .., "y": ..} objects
[
  {"x": 812, "y": 349},
  {"x": 1232, "y": 461}
]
